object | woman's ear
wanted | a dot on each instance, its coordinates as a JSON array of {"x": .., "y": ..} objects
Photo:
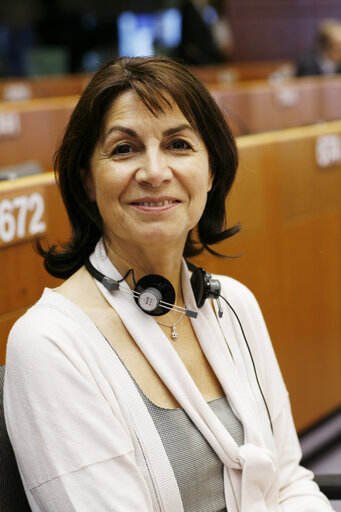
[{"x": 89, "y": 185}]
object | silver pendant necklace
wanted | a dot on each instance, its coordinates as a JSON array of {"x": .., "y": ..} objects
[{"x": 174, "y": 334}]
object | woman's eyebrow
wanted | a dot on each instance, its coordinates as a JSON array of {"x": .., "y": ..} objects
[
  {"x": 118, "y": 128},
  {"x": 179, "y": 128},
  {"x": 132, "y": 133}
]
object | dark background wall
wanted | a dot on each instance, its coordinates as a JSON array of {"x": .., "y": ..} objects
[
  {"x": 276, "y": 29},
  {"x": 70, "y": 29}
]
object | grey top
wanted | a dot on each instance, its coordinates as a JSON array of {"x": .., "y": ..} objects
[{"x": 197, "y": 468}]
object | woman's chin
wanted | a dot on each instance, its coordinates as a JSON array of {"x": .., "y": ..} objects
[{"x": 160, "y": 239}]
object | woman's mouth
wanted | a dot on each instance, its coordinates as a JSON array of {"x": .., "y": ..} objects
[
  {"x": 157, "y": 205},
  {"x": 154, "y": 204}
]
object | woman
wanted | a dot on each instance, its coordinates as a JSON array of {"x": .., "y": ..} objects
[{"x": 114, "y": 399}]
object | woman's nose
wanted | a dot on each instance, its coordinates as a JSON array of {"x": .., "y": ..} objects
[{"x": 154, "y": 169}]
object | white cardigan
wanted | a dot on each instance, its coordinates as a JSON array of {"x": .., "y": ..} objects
[{"x": 84, "y": 439}]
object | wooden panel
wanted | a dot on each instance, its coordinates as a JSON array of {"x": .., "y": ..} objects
[
  {"x": 290, "y": 209},
  {"x": 17, "y": 89},
  {"x": 23, "y": 276},
  {"x": 30, "y": 130},
  {"x": 42, "y": 87},
  {"x": 291, "y": 245},
  {"x": 306, "y": 187},
  {"x": 259, "y": 106},
  {"x": 330, "y": 97},
  {"x": 308, "y": 338},
  {"x": 239, "y": 71}
]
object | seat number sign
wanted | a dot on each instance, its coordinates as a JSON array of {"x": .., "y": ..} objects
[{"x": 22, "y": 216}]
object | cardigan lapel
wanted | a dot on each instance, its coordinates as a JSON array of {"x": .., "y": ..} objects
[
  {"x": 253, "y": 458},
  {"x": 215, "y": 348},
  {"x": 164, "y": 359}
]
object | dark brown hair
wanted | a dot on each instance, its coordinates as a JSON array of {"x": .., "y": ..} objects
[{"x": 153, "y": 79}]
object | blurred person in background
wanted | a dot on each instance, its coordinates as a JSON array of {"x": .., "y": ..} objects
[
  {"x": 326, "y": 59},
  {"x": 207, "y": 36}
]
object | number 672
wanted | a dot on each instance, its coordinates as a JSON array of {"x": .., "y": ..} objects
[{"x": 14, "y": 217}]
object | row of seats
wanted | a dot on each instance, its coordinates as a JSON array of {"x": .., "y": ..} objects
[
  {"x": 250, "y": 106},
  {"x": 14, "y": 89}
]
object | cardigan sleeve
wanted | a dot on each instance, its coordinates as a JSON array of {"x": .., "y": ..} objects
[
  {"x": 73, "y": 449},
  {"x": 298, "y": 492}
]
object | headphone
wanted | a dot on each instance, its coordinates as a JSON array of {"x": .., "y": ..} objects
[{"x": 155, "y": 295}]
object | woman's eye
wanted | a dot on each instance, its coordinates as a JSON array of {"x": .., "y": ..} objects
[
  {"x": 122, "y": 149},
  {"x": 180, "y": 144}
]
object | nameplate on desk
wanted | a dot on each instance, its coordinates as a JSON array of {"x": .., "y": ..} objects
[
  {"x": 286, "y": 97},
  {"x": 17, "y": 92},
  {"x": 10, "y": 124},
  {"x": 22, "y": 216},
  {"x": 328, "y": 150}
]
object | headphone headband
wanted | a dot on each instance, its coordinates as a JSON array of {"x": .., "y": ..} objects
[
  {"x": 155, "y": 295},
  {"x": 150, "y": 299}
]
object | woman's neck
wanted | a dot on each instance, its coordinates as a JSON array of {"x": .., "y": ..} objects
[{"x": 148, "y": 260}]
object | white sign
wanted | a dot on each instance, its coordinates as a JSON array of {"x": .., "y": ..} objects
[
  {"x": 287, "y": 97},
  {"x": 17, "y": 92},
  {"x": 9, "y": 124},
  {"x": 21, "y": 217},
  {"x": 328, "y": 150}
]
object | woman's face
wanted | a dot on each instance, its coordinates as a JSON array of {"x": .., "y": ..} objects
[{"x": 149, "y": 175}]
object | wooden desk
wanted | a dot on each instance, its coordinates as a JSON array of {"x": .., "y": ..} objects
[
  {"x": 288, "y": 198},
  {"x": 241, "y": 71},
  {"x": 30, "y": 130},
  {"x": 16, "y": 89},
  {"x": 29, "y": 208},
  {"x": 260, "y": 105}
]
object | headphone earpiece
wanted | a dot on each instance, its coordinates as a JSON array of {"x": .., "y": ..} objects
[
  {"x": 204, "y": 287},
  {"x": 152, "y": 289}
]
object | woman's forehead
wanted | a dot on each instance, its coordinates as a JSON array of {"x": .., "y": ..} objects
[{"x": 129, "y": 107}]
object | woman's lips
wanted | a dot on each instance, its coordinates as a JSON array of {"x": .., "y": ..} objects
[{"x": 156, "y": 205}]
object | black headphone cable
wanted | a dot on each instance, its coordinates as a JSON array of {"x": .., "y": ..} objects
[{"x": 252, "y": 360}]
